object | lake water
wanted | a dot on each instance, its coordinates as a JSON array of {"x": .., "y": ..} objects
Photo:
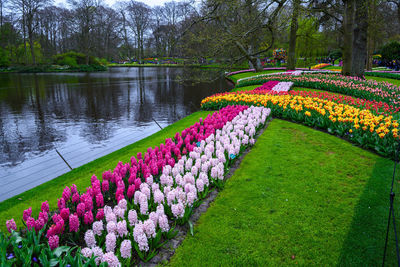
[{"x": 84, "y": 116}]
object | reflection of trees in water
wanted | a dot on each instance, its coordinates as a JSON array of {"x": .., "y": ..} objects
[
  {"x": 192, "y": 76},
  {"x": 34, "y": 117},
  {"x": 20, "y": 134}
]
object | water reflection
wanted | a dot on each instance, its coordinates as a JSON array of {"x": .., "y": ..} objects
[{"x": 85, "y": 116}]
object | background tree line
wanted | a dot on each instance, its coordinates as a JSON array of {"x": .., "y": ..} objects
[{"x": 35, "y": 31}]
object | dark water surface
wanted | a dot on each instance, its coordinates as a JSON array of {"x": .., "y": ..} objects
[{"x": 85, "y": 116}]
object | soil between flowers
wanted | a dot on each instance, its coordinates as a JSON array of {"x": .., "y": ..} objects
[{"x": 168, "y": 250}]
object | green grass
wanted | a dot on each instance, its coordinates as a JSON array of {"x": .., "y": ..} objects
[
  {"x": 299, "y": 193},
  {"x": 238, "y": 76},
  {"x": 13, "y": 208},
  {"x": 245, "y": 88},
  {"x": 380, "y": 79}
]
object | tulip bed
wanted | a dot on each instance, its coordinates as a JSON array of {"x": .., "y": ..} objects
[
  {"x": 321, "y": 66},
  {"x": 136, "y": 206},
  {"x": 360, "y": 126},
  {"x": 369, "y": 90}
]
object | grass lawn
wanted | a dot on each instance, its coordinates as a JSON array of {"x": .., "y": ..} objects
[
  {"x": 300, "y": 197},
  {"x": 245, "y": 88},
  {"x": 13, "y": 208},
  {"x": 236, "y": 77}
]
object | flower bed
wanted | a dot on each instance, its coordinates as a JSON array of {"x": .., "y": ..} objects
[
  {"x": 136, "y": 206},
  {"x": 292, "y": 73},
  {"x": 377, "y": 107},
  {"x": 370, "y": 90},
  {"x": 320, "y": 66},
  {"x": 360, "y": 126}
]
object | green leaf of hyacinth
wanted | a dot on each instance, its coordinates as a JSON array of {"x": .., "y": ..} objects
[
  {"x": 58, "y": 251},
  {"x": 191, "y": 228}
]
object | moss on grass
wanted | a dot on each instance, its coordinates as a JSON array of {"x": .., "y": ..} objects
[
  {"x": 300, "y": 197},
  {"x": 13, "y": 207}
]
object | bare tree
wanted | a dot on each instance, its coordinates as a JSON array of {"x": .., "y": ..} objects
[
  {"x": 84, "y": 13},
  {"x": 2, "y": 5},
  {"x": 246, "y": 31},
  {"x": 29, "y": 10},
  {"x": 139, "y": 19}
]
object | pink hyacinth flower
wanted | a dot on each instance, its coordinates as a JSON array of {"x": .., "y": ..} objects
[
  {"x": 45, "y": 207},
  {"x": 53, "y": 241},
  {"x": 11, "y": 225},
  {"x": 100, "y": 214},
  {"x": 27, "y": 213},
  {"x": 73, "y": 223}
]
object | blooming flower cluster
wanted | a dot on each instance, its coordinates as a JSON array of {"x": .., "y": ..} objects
[
  {"x": 361, "y": 126},
  {"x": 377, "y": 107},
  {"x": 320, "y": 66},
  {"x": 133, "y": 205},
  {"x": 352, "y": 86},
  {"x": 297, "y": 72},
  {"x": 275, "y": 86}
]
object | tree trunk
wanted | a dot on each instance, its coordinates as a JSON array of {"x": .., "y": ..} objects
[
  {"x": 1, "y": 13},
  {"x": 24, "y": 32},
  {"x": 370, "y": 52},
  {"x": 293, "y": 36},
  {"x": 348, "y": 20},
  {"x": 398, "y": 14},
  {"x": 32, "y": 46},
  {"x": 359, "y": 55},
  {"x": 371, "y": 33}
]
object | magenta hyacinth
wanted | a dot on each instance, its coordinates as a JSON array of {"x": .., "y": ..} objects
[
  {"x": 53, "y": 241},
  {"x": 39, "y": 223},
  {"x": 45, "y": 207},
  {"x": 73, "y": 223},
  {"x": 64, "y": 213},
  {"x": 27, "y": 213},
  {"x": 80, "y": 209},
  {"x": 11, "y": 225},
  {"x": 75, "y": 198},
  {"x": 100, "y": 214},
  {"x": 99, "y": 200},
  {"x": 61, "y": 203},
  {"x": 30, "y": 223},
  {"x": 66, "y": 194},
  {"x": 44, "y": 216},
  {"x": 74, "y": 189},
  {"x": 105, "y": 186},
  {"x": 131, "y": 191},
  {"x": 88, "y": 219}
]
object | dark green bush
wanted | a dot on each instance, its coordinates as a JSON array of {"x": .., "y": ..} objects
[
  {"x": 391, "y": 51},
  {"x": 335, "y": 54},
  {"x": 74, "y": 58}
]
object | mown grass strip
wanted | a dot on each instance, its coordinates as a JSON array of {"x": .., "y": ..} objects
[
  {"x": 300, "y": 197},
  {"x": 13, "y": 207}
]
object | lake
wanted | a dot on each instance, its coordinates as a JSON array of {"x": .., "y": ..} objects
[{"x": 84, "y": 116}]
